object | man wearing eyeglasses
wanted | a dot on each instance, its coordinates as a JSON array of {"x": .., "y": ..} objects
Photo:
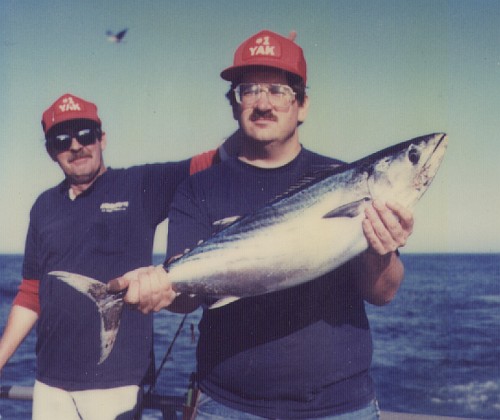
[
  {"x": 304, "y": 352},
  {"x": 99, "y": 222}
]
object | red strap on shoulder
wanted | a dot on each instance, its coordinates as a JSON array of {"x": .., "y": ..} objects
[
  {"x": 28, "y": 296},
  {"x": 203, "y": 161}
]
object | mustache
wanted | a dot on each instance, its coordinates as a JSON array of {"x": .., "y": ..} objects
[
  {"x": 79, "y": 155},
  {"x": 258, "y": 114}
]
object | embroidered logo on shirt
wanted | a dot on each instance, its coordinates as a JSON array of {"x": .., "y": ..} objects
[{"x": 112, "y": 207}]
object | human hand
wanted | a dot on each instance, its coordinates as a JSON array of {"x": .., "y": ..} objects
[
  {"x": 387, "y": 227},
  {"x": 148, "y": 288}
]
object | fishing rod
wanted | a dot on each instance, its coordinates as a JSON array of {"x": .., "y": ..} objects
[
  {"x": 165, "y": 358},
  {"x": 169, "y": 405}
]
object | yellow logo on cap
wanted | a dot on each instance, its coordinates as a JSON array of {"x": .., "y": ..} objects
[
  {"x": 262, "y": 47},
  {"x": 68, "y": 104}
]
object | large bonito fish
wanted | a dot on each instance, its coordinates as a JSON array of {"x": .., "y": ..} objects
[{"x": 308, "y": 231}]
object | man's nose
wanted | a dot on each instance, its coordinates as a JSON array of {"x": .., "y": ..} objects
[
  {"x": 75, "y": 145},
  {"x": 263, "y": 100}
]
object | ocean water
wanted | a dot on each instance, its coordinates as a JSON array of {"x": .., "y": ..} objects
[{"x": 437, "y": 345}]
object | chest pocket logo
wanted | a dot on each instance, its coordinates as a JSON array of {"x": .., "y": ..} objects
[{"x": 112, "y": 207}]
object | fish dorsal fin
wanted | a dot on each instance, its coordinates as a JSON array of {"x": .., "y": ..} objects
[
  {"x": 350, "y": 210},
  {"x": 316, "y": 174},
  {"x": 222, "y": 223}
]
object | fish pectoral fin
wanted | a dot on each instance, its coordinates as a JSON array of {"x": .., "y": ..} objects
[
  {"x": 223, "y": 302},
  {"x": 350, "y": 210}
]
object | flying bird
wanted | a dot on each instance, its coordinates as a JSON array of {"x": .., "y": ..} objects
[{"x": 116, "y": 38}]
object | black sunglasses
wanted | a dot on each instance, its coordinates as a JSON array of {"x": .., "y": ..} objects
[{"x": 62, "y": 142}]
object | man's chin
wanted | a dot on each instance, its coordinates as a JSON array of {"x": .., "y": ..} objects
[
  {"x": 82, "y": 179},
  {"x": 263, "y": 137}
]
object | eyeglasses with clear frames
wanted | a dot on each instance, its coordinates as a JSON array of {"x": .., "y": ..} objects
[{"x": 279, "y": 96}]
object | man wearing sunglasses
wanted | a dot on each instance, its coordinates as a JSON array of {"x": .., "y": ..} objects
[
  {"x": 99, "y": 222},
  {"x": 304, "y": 352}
]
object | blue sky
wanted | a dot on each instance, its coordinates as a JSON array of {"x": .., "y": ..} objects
[{"x": 379, "y": 72}]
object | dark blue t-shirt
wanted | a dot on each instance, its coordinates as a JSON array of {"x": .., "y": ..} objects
[
  {"x": 105, "y": 232},
  {"x": 299, "y": 353}
]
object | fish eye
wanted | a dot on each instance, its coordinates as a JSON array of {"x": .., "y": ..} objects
[{"x": 414, "y": 155}]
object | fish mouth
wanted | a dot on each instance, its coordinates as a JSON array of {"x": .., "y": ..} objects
[
  {"x": 431, "y": 165},
  {"x": 443, "y": 137}
]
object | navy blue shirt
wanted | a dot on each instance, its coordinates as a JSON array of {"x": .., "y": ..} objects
[
  {"x": 299, "y": 353},
  {"x": 105, "y": 232}
]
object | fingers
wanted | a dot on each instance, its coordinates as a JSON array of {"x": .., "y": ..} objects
[
  {"x": 404, "y": 214},
  {"x": 118, "y": 284},
  {"x": 387, "y": 227},
  {"x": 148, "y": 289},
  {"x": 155, "y": 291}
]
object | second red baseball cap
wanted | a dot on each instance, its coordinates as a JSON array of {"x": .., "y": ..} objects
[{"x": 69, "y": 107}]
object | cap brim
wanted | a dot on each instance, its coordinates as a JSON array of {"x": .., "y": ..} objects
[
  {"x": 72, "y": 122},
  {"x": 234, "y": 73}
]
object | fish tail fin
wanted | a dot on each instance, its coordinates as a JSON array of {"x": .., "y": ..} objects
[{"x": 109, "y": 306}]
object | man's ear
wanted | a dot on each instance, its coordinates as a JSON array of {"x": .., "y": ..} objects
[
  {"x": 236, "y": 111},
  {"x": 51, "y": 153},
  {"x": 103, "y": 141},
  {"x": 303, "y": 110}
]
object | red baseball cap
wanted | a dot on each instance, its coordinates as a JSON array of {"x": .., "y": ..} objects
[
  {"x": 270, "y": 50},
  {"x": 69, "y": 107}
]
